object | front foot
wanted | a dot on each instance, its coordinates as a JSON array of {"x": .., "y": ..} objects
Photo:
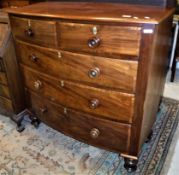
[
  {"x": 130, "y": 165},
  {"x": 35, "y": 122}
]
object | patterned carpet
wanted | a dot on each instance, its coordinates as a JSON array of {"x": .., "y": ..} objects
[{"x": 44, "y": 151}]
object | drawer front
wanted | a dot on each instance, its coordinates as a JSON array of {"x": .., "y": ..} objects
[
  {"x": 104, "y": 40},
  {"x": 3, "y": 78},
  {"x": 6, "y": 104},
  {"x": 4, "y": 91},
  {"x": 99, "y": 71},
  {"x": 34, "y": 31},
  {"x": 95, "y": 131},
  {"x": 106, "y": 103}
]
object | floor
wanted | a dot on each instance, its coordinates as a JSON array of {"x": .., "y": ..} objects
[{"x": 171, "y": 165}]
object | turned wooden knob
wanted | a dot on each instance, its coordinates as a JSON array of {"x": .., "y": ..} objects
[
  {"x": 94, "y": 103},
  {"x": 94, "y": 133},
  {"x": 94, "y": 42},
  {"x": 33, "y": 58},
  {"x": 37, "y": 84},
  {"x": 43, "y": 109},
  {"x": 29, "y": 32},
  {"x": 93, "y": 73}
]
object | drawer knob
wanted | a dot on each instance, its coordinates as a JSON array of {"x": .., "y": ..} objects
[
  {"x": 94, "y": 133},
  {"x": 29, "y": 32},
  {"x": 94, "y": 42},
  {"x": 43, "y": 110},
  {"x": 37, "y": 84},
  {"x": 94, "y": 103},
  {"x": 93, "y": 73},
  {"x": 33, "y": 58}
]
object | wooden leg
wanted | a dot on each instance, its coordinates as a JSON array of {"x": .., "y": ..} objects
[
  {"x": 35, "y": 121},
  {"x": 130, "y": 164}
]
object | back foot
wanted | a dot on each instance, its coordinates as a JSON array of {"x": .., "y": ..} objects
[{"x": 130, "y": 165}]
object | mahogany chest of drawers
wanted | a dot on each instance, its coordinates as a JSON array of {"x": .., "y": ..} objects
[
  {"x": 93, "y": 71},
  {"x": 11, "y": 97}
]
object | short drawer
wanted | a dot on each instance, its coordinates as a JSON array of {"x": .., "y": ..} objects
[
  {"x": 104, "y": 40},
  {"x": 34, "y": 31},
  {"x": 6, "y": 104},
  {"x": 98, "y": 132},
  {"x": 3, "y": 78},
  {"x": 105, "y": 103},
  {"x": 99, "y": 71},
  {"x": 4, "y": 91}
]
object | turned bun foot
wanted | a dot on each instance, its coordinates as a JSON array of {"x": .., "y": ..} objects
[
  {"x": 130, "y": 165},
  {"x": 35, "y": 122}
]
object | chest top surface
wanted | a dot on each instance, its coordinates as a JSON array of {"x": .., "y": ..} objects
[{"x": 104, "y": 12}]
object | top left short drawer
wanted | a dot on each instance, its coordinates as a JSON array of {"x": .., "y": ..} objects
[{"x": 34, "y": 31}]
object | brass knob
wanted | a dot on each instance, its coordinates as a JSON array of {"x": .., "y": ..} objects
[
  {"x": 43, "y": 109},
  {"x": 37, "y": 84},
  {"x": 94, "y": 133},
  {"x": 93, "y": 73},
  {"x": 94, "y": 103},
  {"x": 33, "y": 58},
  {"x": 29, "y": 32},
  {"x": 94, "y": 42}
]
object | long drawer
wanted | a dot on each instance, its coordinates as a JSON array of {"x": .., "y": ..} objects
[
  {"x": 104, "y": 40},
  {"x": 81, "y": 126},
  {"x": 34, "y": 31},
  {"x": 107, "y": 103},
  {"x": 99, "y": 71}
]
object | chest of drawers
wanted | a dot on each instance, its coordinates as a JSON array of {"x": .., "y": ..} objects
[
  {"x": 94, "y": 71},
  {"x": 11, "y": 97}
]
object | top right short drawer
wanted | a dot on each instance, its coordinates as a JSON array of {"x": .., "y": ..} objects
[{"x": 103, "y": 40}]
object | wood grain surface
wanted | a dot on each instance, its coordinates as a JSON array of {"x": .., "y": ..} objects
[
  {"x": 127, "y": 47},
  {"x": 113, "y": 73},
  {"x": 114, "y": 40},
  {"x": 99, "y": 12},
  {"x": 4, "y": 91},
  {"x": 6, "y": 104},
  {"x": 112, "y": 104},
  {"x": 3, "y": 31},
  {"x": 43, "y": 32},
  {"x": 79, "y": 125},
  {"x": 3, "y": 78},
  {"x": 14, "y": 80}
]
